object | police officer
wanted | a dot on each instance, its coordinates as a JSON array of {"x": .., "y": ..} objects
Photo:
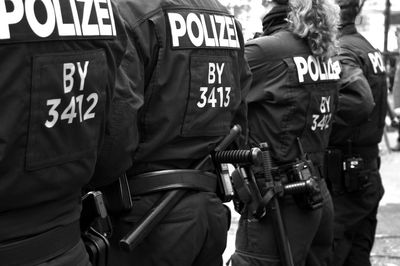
[
  {"x": 354, "y": 153},
  {"x": 58, "y": 71},
  {"x": 193, "y": 77},
  {"x": 291, "y": 102}
]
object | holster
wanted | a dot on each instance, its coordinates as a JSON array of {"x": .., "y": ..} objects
[
  {"x": 242, "y": 193},
  {"x": 118, "y": 196},
  {"x": 333, "y": 170},
  {"x": 355, "y": 174},
  {"x": 224, "y": 183},
  {"x": 346, "y": 173},
  {"x": 299, "y": 171},
  {"x": 247, "y": 192},
  {"x": 95, "y": 227},
  {"x": 97, "y": 246}
]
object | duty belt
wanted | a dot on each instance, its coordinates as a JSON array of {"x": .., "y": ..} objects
[
  {"x": 366, "y": 152},
  {"x": 280, "y": 173},
  {"x": 372, "y": 164},
  {"x": 172, "y": 179},
  {"x": 42, "y": 247}
]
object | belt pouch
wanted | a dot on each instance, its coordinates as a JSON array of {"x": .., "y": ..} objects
[
  {"x": 118, "y": 196},
  {"x": 333, "y": 170}
]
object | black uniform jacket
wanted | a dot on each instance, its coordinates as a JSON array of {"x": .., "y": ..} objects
[
  {"x": 192, "y": 76},
  {"x": 58, "y": 69},
  {"x": 363, "y": 75},
  {"x": 293, "y": 95}
]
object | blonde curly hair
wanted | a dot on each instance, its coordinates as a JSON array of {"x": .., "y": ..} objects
[{"x": 317, "y": 21}]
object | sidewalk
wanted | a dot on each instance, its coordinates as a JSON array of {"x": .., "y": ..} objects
[{"x": 386, "y": 251}]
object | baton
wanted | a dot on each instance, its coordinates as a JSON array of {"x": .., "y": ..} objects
[
  {"x": 280, "y": 232},
  {"x": 165, "y": 203}
]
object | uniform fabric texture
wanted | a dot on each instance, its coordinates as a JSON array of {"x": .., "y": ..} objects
[{"x": 193, "y": 233}]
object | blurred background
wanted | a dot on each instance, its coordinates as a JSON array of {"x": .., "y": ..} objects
[
  {"x": 375, "y": 17},
  {"x": 379, "y": 22}
]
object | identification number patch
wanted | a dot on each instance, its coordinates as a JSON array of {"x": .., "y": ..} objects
[
  {"x": 67, "y": 106},
  {"x": 212, "y": 96}
]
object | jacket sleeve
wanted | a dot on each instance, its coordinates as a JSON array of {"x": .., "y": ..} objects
[
  {"x": 355, "y": 96},
  {"x": 245, "y": 82},
  {"x": 122, "y": 134}
]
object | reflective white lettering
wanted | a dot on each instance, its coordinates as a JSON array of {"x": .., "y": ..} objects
[
  {"x": 236, "y": 35},
  {"x": 203, "y": 30},
  {"x": 82, "y": 74},
  {"x": 313, "y": 68},
  {"x": 325, "y": 107},
  {"x": 335, "y": 69},
  {"x": 56, "y": 18},
  {"x": 68, "y": 73},
  {"x": 222, "y": 41},
  {"x": 102, "y": 14},
  {"x": 214, "y": 28},
  {"x": 328, "y": 103},
  {"x": 41, "y": 30},
  {"x": 110, "y": 11},
  {"x": 75, "y": 16},
  {"x": 220, "y": 70},
  {"x": 231, "y": 31},
  {"x": 215, "y": 71},
  {"x": 211, "y": 73},
  {"x": 64, "y": 29},
  {"x": 8, "y": 18},
  {"x": 88, "y": 29},
  {"x": 209, "y": 41},
  {"x": 301, "y": 65},
  {"x": 322, "y": 121},
  {"x": 78, "y": 106},
  {"x": 377, "y": 62},
  {"x": 176, "y": 31},
  {"x": 323, "y": 75},
  {"x": 192, "y": 19},
  {"x": 316, "y": 70}
]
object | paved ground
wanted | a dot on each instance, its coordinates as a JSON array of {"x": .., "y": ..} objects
[{"x": 386, "y": 251}]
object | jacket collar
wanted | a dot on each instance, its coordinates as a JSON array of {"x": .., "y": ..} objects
[
  {"x": 348, "y": 29},
  {"x": 275, "y": 20}
]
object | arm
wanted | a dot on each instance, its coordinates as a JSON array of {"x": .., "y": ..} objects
[
  {"x": 122, "y": 134},
  {"x": 245, "y": 82},
  {"x": 355, "y": 96}
]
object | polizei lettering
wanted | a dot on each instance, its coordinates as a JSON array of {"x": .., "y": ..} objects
[
  {"x": 377, "y": 62},
  {"x": 194, "y": 30},
  {"x": 52, "y": 19},
  {"x": 312, "y": 69}
]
